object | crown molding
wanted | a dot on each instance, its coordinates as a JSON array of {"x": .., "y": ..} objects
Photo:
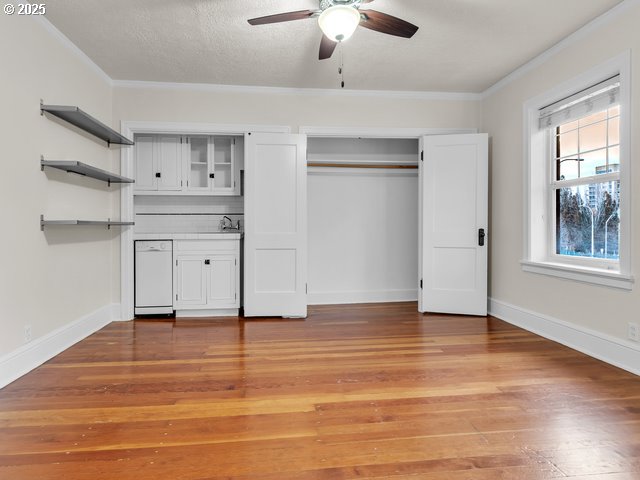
[
  {"x": 249, "y": 89},
  {"x": 73, "y": 48},
  {"x": 576, "y": 36}
]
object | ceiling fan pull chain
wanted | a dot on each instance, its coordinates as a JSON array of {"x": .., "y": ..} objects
[{"x": 341, "y": 67}]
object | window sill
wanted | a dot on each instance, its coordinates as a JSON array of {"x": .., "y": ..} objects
[{"x": 594, "y": 276}]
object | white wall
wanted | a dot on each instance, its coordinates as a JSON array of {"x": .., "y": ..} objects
[
  {"x": 602, "y": 310},
  {"x": 293, "y": 109},
  {"x": 48, "y": 280}
]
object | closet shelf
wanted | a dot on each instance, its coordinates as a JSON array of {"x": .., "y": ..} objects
[
  {"x": 64, "y": 223},
  {"x": 86, "y": 122},
  {"x": 412, "y": 166},
  {"x": 85, "y": 170}
]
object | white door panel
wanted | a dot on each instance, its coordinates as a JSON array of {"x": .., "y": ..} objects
[
  {"x": 144, "y": 164},
  {"x": 453, "y": 210},
  {"x": 190, "y": 281},
  {"x": 170, "y": 163},
  {"x": 222, "y": 281},
  {"x": 275, "y": 225}
]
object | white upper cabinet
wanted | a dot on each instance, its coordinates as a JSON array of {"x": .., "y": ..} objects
[
  {"x": 188, "y": 165},
  {"x": 198, "y": 172},
  {"x": 158, "y": 163},
  {"x": 144, "y": 165},
  {"x": 169, "y": 163}
]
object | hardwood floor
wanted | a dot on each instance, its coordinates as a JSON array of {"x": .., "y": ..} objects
[{"x": 364, "y": 391}]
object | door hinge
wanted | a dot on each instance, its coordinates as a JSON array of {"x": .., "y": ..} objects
[
  {"x": 420, "y": 283},
  {"x": 176, "y": 263},
  {"x": 422, "y": 155},
  {"x": 235, "y": 261},
  {"x": 176, "y": 296},
  {"x": 306, "y": 288}
]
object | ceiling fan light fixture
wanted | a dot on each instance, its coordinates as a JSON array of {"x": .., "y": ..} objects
[{"x": 339, "y": 22}]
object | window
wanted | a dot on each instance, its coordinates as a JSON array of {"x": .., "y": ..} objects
[{"x": 577, "y": 196}]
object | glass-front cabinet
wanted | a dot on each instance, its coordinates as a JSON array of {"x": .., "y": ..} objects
[
  {"x": 198, "y": 164},
  {"x": 223, "y": 161},
  {"x": 210, "y": 164}
]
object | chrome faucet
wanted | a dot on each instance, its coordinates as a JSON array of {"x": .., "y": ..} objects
[{"x": 223, "y": 223}]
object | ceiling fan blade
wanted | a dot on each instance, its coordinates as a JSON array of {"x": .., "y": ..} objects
[
  {"x": 283, "y": 17},
  {"x": 382, "y": 22},
  {"x": 327, "y": 46}
]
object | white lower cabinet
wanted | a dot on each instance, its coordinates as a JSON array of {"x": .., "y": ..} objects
[{"x": 206, "y": 275}]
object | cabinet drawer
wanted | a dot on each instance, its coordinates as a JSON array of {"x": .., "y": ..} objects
[{"x": 186, "y": 246}]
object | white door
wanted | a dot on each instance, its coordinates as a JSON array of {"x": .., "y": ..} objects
[
  {"x": 221, "y": 284},
  {"x": 453, "y": 224},
  {"x": 190, "y": 280},
  {"x": 144, "y": 166},
  {"x": 275, "y": 241},
  {"x": 169, "y": 163}
]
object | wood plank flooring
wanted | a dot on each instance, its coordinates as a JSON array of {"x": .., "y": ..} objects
[{"x": 363, "y": 391}]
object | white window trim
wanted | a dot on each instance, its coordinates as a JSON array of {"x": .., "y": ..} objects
[{"x": 538, "y": 255}]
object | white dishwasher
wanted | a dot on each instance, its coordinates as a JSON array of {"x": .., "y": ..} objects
[{"x": 154, "y": 277}]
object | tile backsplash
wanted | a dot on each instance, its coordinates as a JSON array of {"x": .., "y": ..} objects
[{"x": 182, "y": 214}]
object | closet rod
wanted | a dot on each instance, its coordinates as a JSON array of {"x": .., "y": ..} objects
[{"x": 361, "y": 165}]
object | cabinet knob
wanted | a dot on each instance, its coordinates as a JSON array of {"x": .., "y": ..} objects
[
  {"x": 212, "y": 175},
  {"x": 207, "y": 262},
  {"x": 158, "y": 174}
]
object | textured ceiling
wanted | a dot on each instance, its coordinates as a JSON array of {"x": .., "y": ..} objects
[{"x": 462, "y": 45}]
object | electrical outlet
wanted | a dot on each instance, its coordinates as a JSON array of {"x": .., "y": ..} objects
[
  {"x": 634, "y": 331},
  {"x": 27, "y": 333}
]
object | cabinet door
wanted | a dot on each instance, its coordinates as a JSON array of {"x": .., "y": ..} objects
[
  {"x": 221, "y": 281},
  {"x": 223, "y": 156},
  {"x": 238, "y": 165},
  {"x": 197, "y": 164},
  {"x": 144, "y": 164},
  {"x": 169, "y": 162},
  {"x": 190, "y": 281}
]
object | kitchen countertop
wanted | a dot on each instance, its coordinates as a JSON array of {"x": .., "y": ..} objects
[{"x": 228, "y": 235}]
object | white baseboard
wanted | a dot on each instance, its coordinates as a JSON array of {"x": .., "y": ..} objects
[
  {"x": 618, "y": 352},
  {"x": 372, "y": 296},
  {"x": 33, "y": 354}
]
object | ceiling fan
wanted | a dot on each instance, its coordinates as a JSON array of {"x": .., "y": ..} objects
[{"x": 338, "y": 19}]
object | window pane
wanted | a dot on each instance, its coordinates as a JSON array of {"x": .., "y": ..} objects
[
  {"x": 568, "y": 168},
  {"x": 568, "y": 126},
  {"x": 593, "y": 163},
  {"x": 614, "y": 160},
  {"x": 588, "y": 220},
  {"x": 596, "y": 117},
  {"x": 568, "y": 143},
  {"x": 614, "y": 131},
  {"x": 593, "y": 136}
]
